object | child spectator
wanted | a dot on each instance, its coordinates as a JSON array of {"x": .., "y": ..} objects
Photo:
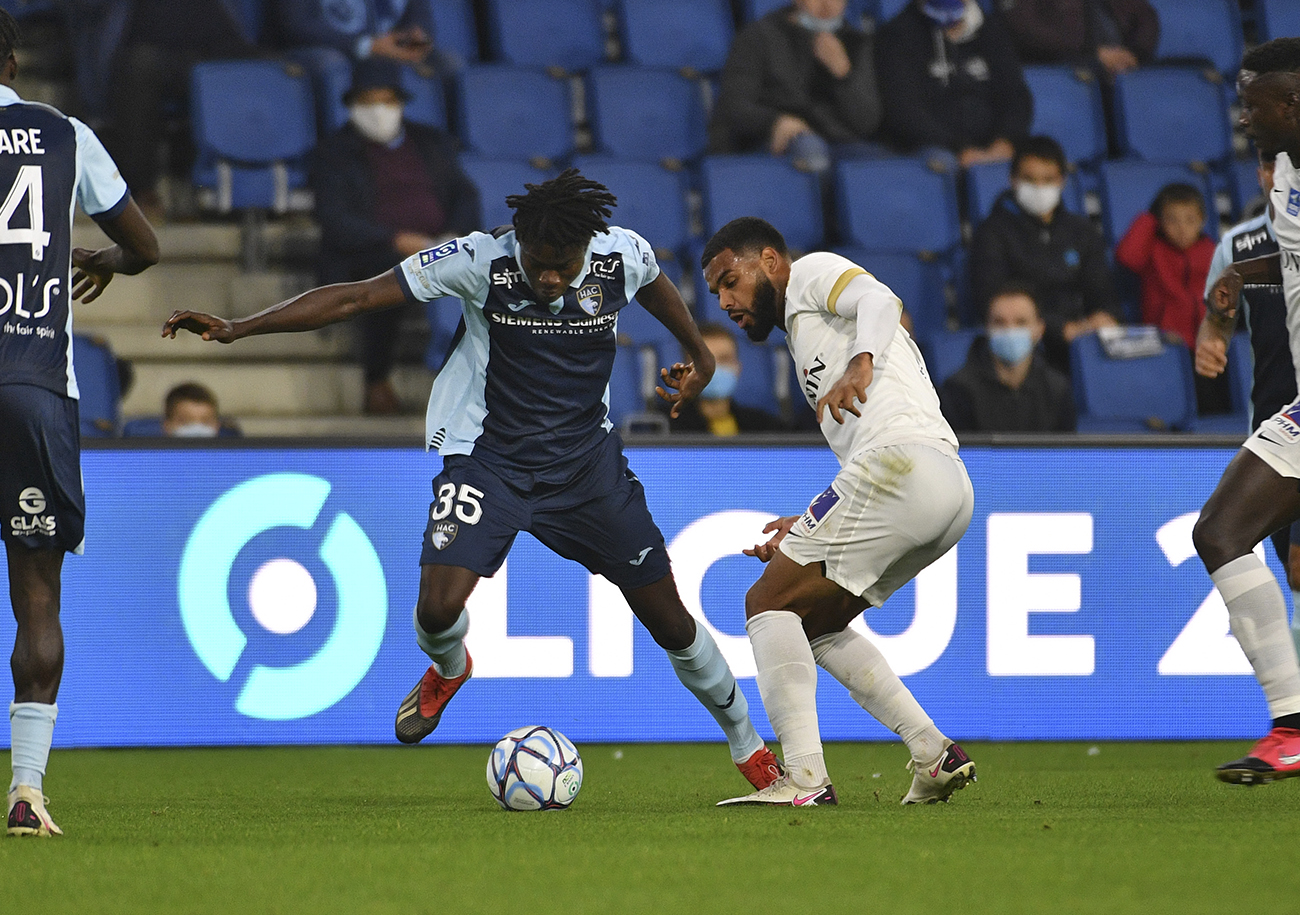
[{"x": 1169, "y": 251}]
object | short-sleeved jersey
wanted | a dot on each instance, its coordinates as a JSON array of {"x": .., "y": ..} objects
[
  {"x": 1286, "y": 226},
  {"x": 1274, "y": 379},
  {"x": 49, "y": 163},
  {"x": 901, "y": 405},
  {"x": 526, "y": 386}
]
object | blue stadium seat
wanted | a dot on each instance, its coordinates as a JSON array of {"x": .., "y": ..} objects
[
  {"x": 514, "y": 113},
  {"x": 756, "y": 386},
  {"x": 1067, "y": 108},
  {"x": 444, "y": 316},
  {"x": 23, "y": 9},
  {"x": 547, "y": 33},
  {"x": 454, "y": 32},
  {"x": 1241, "y": 378},
  {"x": 651, "y": 200},
  {"x": 101, "y": 395},
  {"x": 252, "y": 16},
  {"x": 890, "y": 8},
  {"x": 626, "y": 385},
  {"x": 899, "y": 205},
  {"x": 1245, "y": 184},
  {"x": 1143, "y": 394},
  {"x": 946, "y": 351},
  {"x": 985, "y": 181},
  {"x": 766, "y": 187},
  {"x": 143, "y": 427},
  {"x": 495, "y": 179},
  {"x": 647, "y": 115},
  {"x": 1173, "y": 115},
  {"x": 1200, "y": 30},
  {"x": 917, "y": 282},
  {"x": 253, "y": 128},
  {"x": 1277, "y": 18},
  {"x": 676, "y": 34},
  {"x": 1127, "y": 188},
  {"x": 637, "y": 327}
]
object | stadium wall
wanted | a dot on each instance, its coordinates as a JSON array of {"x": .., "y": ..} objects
[{"x": 262, "y": 594}]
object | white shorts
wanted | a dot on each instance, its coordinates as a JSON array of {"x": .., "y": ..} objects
[
  {"x": 1277, "y": 441},
  {"x": 887, "y": 515}
]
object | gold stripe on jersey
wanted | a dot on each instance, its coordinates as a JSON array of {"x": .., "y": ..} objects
[{"x": 846, "y": 277}]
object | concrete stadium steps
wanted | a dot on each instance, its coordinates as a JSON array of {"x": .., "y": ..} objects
[
  {"x": 139, "y": 342},
  {"x": 216, "y": 288}
]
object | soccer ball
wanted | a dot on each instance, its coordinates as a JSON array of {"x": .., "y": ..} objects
[{"x": 535, "y": 768}]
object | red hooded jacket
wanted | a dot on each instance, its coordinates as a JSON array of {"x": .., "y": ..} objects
[{"x": 1173, "y": 281}]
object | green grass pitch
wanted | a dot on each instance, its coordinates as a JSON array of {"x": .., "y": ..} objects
[{"x": 1049, "y": 828}]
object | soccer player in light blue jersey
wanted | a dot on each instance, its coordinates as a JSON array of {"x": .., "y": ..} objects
[{"x": 520, "y": 415}]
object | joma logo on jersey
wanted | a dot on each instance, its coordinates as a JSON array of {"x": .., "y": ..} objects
[
  {"x": 812, "y": 379},
  {"x": 590, "y": 299},
  {"x": 438, "y": 253},
  {"x": 506, "y": 277},
  {"x": 605, "y": 267}
]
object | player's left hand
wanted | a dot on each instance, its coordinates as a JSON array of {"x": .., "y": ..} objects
[
  {"x": 765, "y": 551},
  {"x": 92, "y": 274},
  {"x": 851, "y": 387},
  {"x": 681, "y": 383}
]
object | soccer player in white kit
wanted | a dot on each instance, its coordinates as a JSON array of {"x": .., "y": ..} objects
[
  {"x": 901, "y": 500},
  {"x": 1259, "y": 492}
]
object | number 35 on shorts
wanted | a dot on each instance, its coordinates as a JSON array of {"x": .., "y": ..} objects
[{"x": 464, "y": 503}]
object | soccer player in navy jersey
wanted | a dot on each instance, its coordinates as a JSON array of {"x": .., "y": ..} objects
[
  {"x": 520, "y": 415},
  {"x": 48, "y": 164}
]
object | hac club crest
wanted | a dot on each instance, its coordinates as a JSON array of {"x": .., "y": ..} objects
[
  {"x": 590, "y": 298},
  {"x": 444, "y": 532}
]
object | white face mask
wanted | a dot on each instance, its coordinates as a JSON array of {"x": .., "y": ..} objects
[
  {"x": 814, "y": 24},
  {"x": 378, "y": 123},
  {"x": 1038, "y": 199},
  {"x": 195, "y": 430}
]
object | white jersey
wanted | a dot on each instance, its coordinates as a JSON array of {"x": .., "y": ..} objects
[
  {"x": 901, "y": 406},
  {"x": 1286, "y": 226}
]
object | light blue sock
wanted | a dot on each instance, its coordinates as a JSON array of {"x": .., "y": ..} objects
[
  {"x": 704, "y": 671},
  {"x": 446, "y": 649},
  {"x": 31, "y": 728}
]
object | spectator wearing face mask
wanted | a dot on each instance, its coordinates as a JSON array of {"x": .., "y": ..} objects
[
  {"x": 385, "y": 189},
  {"x": 714, "y": 411},
  {"x": 1006, "y": 385},
  {"x": 1029, "y": 237},
  {"x": 190, "y": 411}
]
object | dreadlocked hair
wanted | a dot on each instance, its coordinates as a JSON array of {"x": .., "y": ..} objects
[
  {"x": 564, "y": 212},
  {"x": 8, "y": 34}
]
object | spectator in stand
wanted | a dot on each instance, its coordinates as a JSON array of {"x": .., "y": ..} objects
[
  {"x": 950, "y": 80},
  {"x": 385, "y": 189},
  {"x": 714, "y": 411},
  {"x": 1106, "y": 36},
  {"x": 1031, "y": 238},
  {"x": 1169, "y": 251},
  {"x": 190, "y": 411},
  {"x": 800, "y": 82},
  {"x": 1006, "y": 385}
]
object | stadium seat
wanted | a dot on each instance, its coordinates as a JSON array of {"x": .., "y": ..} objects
[
  {"x": 1200, "y": 30},
  {"x": 455, "y": 34},
  {"x": 1068, "y": 108},
  {"x": 651, "y": 200},
  {"x": 756, "y": 386},
  {"x": 647, "y": 115},
  {"x": 495, "y": 179},
  {"x": 1245, "y": 185},
  {"x": 547, "y": 33},
  {"x": 252, "y": 16},
  {"x": 1241, "y": 378},
  {"x": 1172, "y": 115},
  {"x": 946, "y": 351},
  {"x": 899, "y": 205},
  {"x": 627, "y": 384},
  {"x": 637, "y": 327},
  {"x": 515, "y": 113},
  {"x": 985, "y": 181},
  {"x": 888, "y": 9},
  {"x": 1127, "y": 188},
  {"x": 1143, "y": 394},
  {"x": 766, "y": 187},
  {"x": 692, "y": 35},
  {"x": 22, "y": 9},
  {"x": 444, "y": 317},
  {"x": 100, "y": 407},
  {"x": 253, "y": 128},
  {"x": 1277, "y": 18},
  {"x": 917, "y": 282}
]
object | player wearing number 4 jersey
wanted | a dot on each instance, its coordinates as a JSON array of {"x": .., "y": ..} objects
[
  {"x": 520, "y": 415},
  {"x": 48, "y": 164},
  {"x": 901, "y": 500},
  {"x": 1258, "y": 493}
]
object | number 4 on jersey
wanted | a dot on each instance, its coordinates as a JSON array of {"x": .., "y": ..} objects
[{"x": 28, "y": 184}]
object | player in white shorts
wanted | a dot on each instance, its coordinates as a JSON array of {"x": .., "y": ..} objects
[
  {"x": 1259, "y": 492},
  {"x": 901, "y": 500}
]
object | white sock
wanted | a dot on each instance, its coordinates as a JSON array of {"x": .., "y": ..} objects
[
  {"x": 1257, "y": 613},
  {"x": 446, "y": 649},
  {"x": 31, "y": 729},
  {"x": 704, "y": 671},
  {"x": 853, "y": 660},
  {"x": 787, "y": 680}
]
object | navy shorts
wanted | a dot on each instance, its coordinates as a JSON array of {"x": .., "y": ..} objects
[
  {"x": 598, "y": 519},
  {"x": 42, "y": 501}
]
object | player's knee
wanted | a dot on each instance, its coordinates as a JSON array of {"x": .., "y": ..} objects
[
  {"x": 1214, "y": 542},
  {"x": 1293, "y": 568},
  {"x": 439, "y": 610}
]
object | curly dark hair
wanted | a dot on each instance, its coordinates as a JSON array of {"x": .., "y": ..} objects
[{"x": 565, "y": 212}]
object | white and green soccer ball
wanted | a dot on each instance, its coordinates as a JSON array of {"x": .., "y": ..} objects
[{"x": 534, "y": 768}]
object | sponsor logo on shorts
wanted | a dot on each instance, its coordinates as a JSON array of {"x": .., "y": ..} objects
[
  {"x": 817, "y": 511},
  {"x": 1293, "y": 203},
  {"x": 32, "y": 502},
  {"x": 438, "y": 253},
  {"x": 443, "y": 533}
]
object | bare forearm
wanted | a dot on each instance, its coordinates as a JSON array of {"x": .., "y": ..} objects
[
  {"x": 1261, "y": 271},
  {"x": 662, "y": 300},
  {"x": 311, "y": 310}
]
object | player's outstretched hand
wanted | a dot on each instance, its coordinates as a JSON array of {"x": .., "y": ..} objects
[
  {"x": 680, "y": 384},
  {"x": 209, "y": 327},
  {"x": 1226, "y": 293},
  {"x": 1211, "y": 351},
  {"x": 851, "y": 387},
  {"x": 91, "y": 276},
  {"x": 765, "y": 551}
]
